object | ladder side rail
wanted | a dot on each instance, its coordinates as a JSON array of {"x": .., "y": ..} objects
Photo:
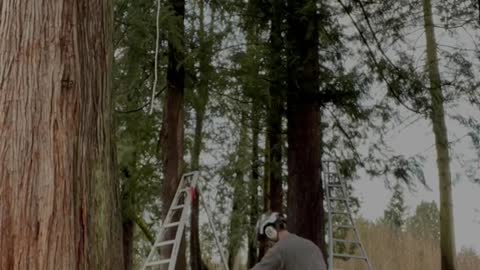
[
  {"x": 179, "y": 235},
  {"x": 183, "y": 219},
  {"x": 166, "y": 221},
  {"x": 350, "y": 215},
  {"x": 215, "y": 233},
  {"x": 329, "y": 213}
]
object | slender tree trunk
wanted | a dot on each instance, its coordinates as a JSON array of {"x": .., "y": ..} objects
[
  {"x": 254, "y": 184},
  {"x": 173, "y": 130},
  {"x": 305, "y": 191},
  {"x": 59, "y": 201},
  {"x": 238, "y": 219},
  {"x": 195, "y": 251},
  {"x": 447, "y": 235},
  {"x": 200, "y": 106},
  {"x": 128, "y": 232},
  {"x": 266, "y": 176},
  {"x": 276, "y": 109},
  {"x": 128, "y": 224}
]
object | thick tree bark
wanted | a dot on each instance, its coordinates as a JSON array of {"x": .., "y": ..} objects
[
  {"x": 59, "y": 201},
  {"x": 276, "y": 109},
  {"x": 437, "y": 114},
  {"x": 305, "y": 191},
  {"x": 173, "y": 130}
]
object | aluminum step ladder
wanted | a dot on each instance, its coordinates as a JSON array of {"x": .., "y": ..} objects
[
  {"x": 180, "y": 206},
  {"x": 337, "y": 198}
]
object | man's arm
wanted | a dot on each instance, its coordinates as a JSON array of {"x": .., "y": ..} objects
[{"x": 271, "y": 261}]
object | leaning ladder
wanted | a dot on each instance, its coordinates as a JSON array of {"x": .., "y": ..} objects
[
  {"x": 336, "y": 194},
  {"x": 181, "y": 202}
]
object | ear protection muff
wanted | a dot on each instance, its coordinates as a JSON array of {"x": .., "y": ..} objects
[{"x": 271, "y": 233}]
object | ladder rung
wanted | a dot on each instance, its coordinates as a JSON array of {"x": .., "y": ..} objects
[
  {"x": 164, "y": 243},
  {"x": 346, "y": 241},
  {"x": 349, "y": 256},
  {"x": 180, "y": 206},
  {"x": 159, "y": 262},
  {"x": 173, "y": 224},
  {"x": 344, "y": 226}
]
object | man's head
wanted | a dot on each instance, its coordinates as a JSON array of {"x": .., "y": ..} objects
[{"x": 270, "y": 226}]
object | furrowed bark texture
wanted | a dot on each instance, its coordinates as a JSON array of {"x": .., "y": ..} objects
[
  {"x": 305, "y": 192},
  {"x": 447, "y": 232},
  {"x": 59, "y": 205}
]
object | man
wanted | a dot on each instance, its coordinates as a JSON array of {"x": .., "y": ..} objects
[{"x": 289, "y": 251}]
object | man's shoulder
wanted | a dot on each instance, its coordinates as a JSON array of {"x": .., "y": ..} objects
[{"x": 294, "y": 238}]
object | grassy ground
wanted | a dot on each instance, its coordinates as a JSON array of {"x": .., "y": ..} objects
[{"x": 390, "y": 250}]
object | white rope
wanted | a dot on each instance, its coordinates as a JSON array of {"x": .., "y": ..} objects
[{"x": 152, "y": 100}]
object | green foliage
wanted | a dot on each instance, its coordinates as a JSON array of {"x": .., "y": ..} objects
[
  {"x": 425, "y": 223},
  {"x": 369, "y": 73},
  {"x": 394, "y": 215},
  {"x": 467, "y": 252}
]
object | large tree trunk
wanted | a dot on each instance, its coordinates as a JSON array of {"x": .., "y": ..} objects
[
  {"x": 59, "y": 203},
  {"x": 276, "y": 109},
  {"x": 173, "y": 130},
  {"x": 447, "y": 235},
  {"x": 305, "y": 192}
]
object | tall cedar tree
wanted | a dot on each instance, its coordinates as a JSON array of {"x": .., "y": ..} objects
[
  {"x": 59, "y": 203},
  {"x": 305, "y": 192},
  {"x": 173, "y": 130},
  {"x": 200, "y": 106},
  {"x": 250, "y": 85},
  {"x": 437, "y": 115}
]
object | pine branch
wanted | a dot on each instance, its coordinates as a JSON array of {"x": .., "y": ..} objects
[
  {"x": 374, "y": 59},
  {"x": 144, "y": 105},
  {"x": 144, "y": 228}
]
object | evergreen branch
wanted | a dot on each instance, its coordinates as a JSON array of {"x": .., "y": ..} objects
[
  {"x": 374, "y": 59},
  {"x": 460, "y": 25},
  {"x": 377, "y": 42},
  {"x": 231, "y": 97},
  {"x": 144, "y": 105},
  {"x": 349, "y": 139},
  {"x": 144, "y": 228}
]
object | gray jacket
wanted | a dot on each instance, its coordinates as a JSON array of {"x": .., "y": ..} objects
[{"x": 292, "y": 253}]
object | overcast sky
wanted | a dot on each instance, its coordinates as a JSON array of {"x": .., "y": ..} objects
[{"x": 466, "y": 195}]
